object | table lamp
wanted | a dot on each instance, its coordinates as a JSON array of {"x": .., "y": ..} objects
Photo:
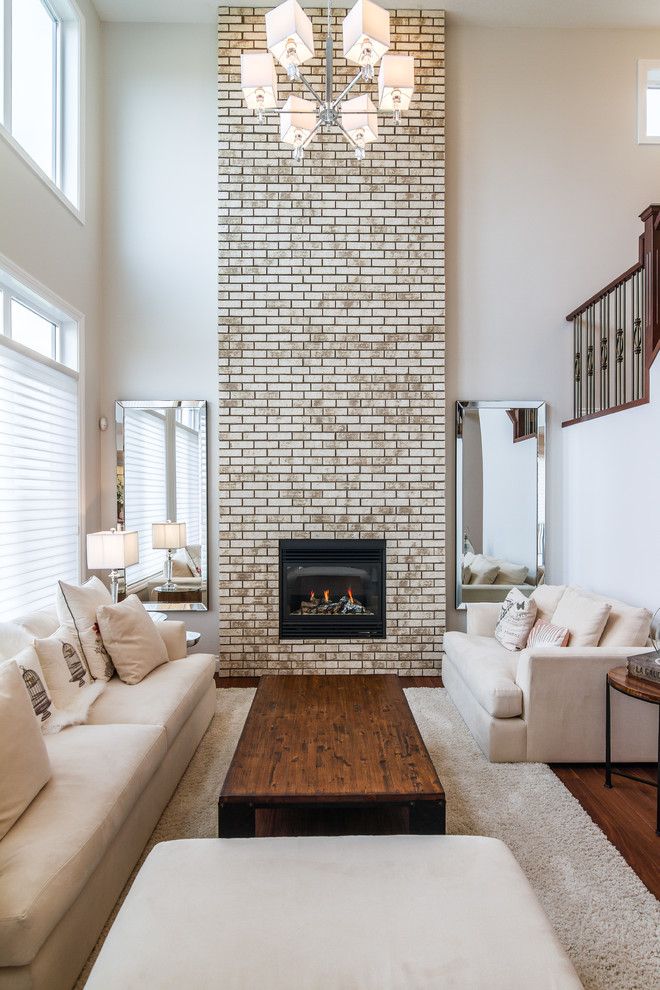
[
  {"x": 168, "y": 536},
  {"x": 112, "y": 550}
]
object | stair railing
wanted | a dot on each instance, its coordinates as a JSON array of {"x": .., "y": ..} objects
[{"x": 616, "y": 334}]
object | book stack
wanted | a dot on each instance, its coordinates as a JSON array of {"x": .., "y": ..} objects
[{"x": 646, "y": 665}]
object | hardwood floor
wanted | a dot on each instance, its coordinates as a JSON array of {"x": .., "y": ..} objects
[{"x": 626, "y": 813}]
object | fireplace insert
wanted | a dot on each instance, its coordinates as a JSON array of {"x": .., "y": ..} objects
[{"x": 331, "y": 589}]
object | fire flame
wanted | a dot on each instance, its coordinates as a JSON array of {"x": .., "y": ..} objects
[
  {"x": 326, "y": 595},
  {"x": 311, "y": 596},
  {"x": 350, "y": 596}
]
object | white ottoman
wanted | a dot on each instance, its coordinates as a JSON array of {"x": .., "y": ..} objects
[{"x": 347, "y": 913}]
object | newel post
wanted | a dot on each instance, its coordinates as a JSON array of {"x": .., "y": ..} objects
[{"x": 651, "y": 238}]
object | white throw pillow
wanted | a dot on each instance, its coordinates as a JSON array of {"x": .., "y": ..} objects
[
  {"x": 517, "y": 616},
  {"x": 75, "y": 701},
  {"x": 483, "y": 570},
  {"x": 131, "y": 638},
  {"x": 626, "y": 625},
  {"x": 547, "y": 598},
  {"x": 546, "y": 634},
  {"x": 24, "y": 763},
  {"x": 181, "y": 564},
  {"x": 583, "y": 615},
  {"x": 510, "y": 573},
  {"x": 76, "y": 606}
]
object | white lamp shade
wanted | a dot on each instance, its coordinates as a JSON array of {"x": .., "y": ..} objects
[
  {"x": 288, "y": 25},
  {"x": 360, "y": 118},
  {"x": 112, "y": 550},
  {"x": 366, "y": 22},
  {"x": 259, "y": 79},
  {"x": 396, "y": 75},
  {"x": 297, "y": 119},
  {"x": 168, "y": 535}
]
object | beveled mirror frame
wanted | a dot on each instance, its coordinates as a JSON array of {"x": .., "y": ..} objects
[
  {"x": 463, "y": 406},
  {"x": 121, "y": 405}
]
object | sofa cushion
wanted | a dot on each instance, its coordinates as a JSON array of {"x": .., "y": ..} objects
[
  {"x": 483, "y": 570},
  {"x": 76, "y": 607},
  {"x": 166, "y": 697},
  {"x": 131, "y": 639},
  {"x": 24, "y": 766},
  {"x": 98, "y": 774},
  {"x": 547, "y": 598},
  {"x": 488, "y": 670},
  {"x": 517, "y": 616},
  {"x": 626, "y": 625}
]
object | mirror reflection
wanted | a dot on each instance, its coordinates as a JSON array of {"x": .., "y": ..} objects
[
  {"x": 500, "y": 511},
  {"x": 161, "y": 493}
]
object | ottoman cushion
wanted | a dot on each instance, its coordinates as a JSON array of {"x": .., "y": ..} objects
[{"x": 332, "y": 913}]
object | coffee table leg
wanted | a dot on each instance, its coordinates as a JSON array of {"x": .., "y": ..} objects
[
  {"x": 236, "y": 821},
  {"x": 427, "y": 818},
  {"x": 608, "y": 735}
]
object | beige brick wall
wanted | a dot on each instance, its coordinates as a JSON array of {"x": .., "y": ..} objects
[{"x": 331, "y": 357}]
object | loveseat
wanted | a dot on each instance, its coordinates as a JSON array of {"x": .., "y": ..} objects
[
  {"x": 547, "y": 704},
  {"x": 66, "y": 860}
]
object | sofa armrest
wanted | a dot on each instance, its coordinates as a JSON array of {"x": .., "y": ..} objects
[
  {"x": 482, "y": 618},
  {"x": 173, "y": 635},
  {"x": 563, "y": 692}
]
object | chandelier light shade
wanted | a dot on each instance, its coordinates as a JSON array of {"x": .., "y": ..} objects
[
  {"x": 396, "y": 83},
  {"x": 366, "y": 34},
  {"x": 259, "y": 81},
  {"x": 289, "y": 36},
  {"x": 290, "y": 40},
  {"x": 360, "y": 120}
]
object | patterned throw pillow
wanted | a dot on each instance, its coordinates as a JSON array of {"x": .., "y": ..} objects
[
  {"x": 65, "y": 668},
  {"x": 52, "y": 719},
  {"x": 76, "y": 608},
  {"x": 516, "y": 619},
  {"x": 545, "y": 634}
]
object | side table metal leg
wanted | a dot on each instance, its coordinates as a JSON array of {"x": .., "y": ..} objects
[
  {"x": 657, "y": 781},
  {"x": 608, "y": 736}
]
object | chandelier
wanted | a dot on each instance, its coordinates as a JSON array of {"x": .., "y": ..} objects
[{"x": 290, "y": 40}]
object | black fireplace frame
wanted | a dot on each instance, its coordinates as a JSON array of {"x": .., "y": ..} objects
[{"x": 336, "y": 626}]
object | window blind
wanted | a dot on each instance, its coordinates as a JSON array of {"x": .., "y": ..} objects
[
  {"x": 145, "y": 479},
  {"x": 188, "y": 482},
  {"x": 39, "y": 481}
]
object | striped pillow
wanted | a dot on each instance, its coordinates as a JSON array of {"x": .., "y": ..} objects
[{"x": 545, "y": 634}]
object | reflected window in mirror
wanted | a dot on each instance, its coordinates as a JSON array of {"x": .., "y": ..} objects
[
  {"x": 500, "y": 499},
  {"x": 161, "y": 478}
]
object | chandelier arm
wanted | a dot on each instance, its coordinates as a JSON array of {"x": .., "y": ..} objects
[
  {"x": 311, "y": 133},
  {"x": 311, "y": 89},
  {"x": 345, "y": 93},
  {"x": 347, "y": 136}
]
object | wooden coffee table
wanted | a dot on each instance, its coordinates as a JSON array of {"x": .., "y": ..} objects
[{"x": 327, "y": 743}]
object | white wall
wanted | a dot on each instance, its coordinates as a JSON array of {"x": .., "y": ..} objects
[
  {"x": 160, "y": 240},
  {"x": 43, "y": 238},
  {"x": 544, "y": 186}
]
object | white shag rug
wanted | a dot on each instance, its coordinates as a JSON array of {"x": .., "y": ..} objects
[{"x": 602, "y": 913}]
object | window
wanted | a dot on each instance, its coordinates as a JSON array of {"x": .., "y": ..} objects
[
  {"x": 39, "y": 450},
  {"x": 648, "y": 101},
  {"x": 40, "y": 83},
  {"x": 146, "y": 478}
]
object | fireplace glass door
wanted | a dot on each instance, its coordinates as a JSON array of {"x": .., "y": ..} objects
[{"x": 332, "y": 589}]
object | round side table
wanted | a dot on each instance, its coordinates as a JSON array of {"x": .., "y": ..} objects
[
  {"x": 192, "y": 638},
  {"x": 635, "y": 687}
]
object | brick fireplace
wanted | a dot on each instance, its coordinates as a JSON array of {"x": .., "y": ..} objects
[{"x": 331, "y": 361}]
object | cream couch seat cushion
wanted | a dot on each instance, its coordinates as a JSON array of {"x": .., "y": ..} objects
[
  {"x": 423, "y": 912},
  {"x": 166, "y": 697},
  {"x": 488, "y": 670},
  {"x": 98, "y": 774}
]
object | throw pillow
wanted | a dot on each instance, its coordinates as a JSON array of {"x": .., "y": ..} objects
[
  {"x": 483, "y": 570},
  {"x": 583, "y": 616},
  {"x": 626, "y": 625},
  {"x": 50, "y": 717},
  {"x": 511, "y": 573},
  {"x": 547, "y": 598},
  {"x": 24, "y": 763},
  {"x": 76, "y": 606},
  {"x": 131, "y": 638},
  {"x": 68, "y": 679},
  {"x": 181, "y": 566},
  {"x": 546, "y": 634},
  {"x": 516, "y": 619}
]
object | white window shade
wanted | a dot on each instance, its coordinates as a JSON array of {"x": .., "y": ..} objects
[
  {"x": 188, "y": 482},
  {"x": 39, "y": 481},
  {"x": 146, "y": 485}
]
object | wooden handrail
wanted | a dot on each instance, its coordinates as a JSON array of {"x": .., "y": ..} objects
[{"x": 634, "y": 318}]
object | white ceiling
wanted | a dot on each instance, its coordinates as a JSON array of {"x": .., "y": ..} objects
[{"x": 502, "y": 13}]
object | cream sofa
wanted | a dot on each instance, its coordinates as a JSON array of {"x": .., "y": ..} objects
[
  {"x": 542, "y": 704},
  {"x": 66, "y": 860}
]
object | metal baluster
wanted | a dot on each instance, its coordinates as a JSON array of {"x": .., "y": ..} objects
[
  {"x": 577, "y": 366},
  {"x": 590, "y": 361},
  {"x": 604, "y": 353},
  {"x": 637, "y": 345},
  {"x": 619, "y": 349}
]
